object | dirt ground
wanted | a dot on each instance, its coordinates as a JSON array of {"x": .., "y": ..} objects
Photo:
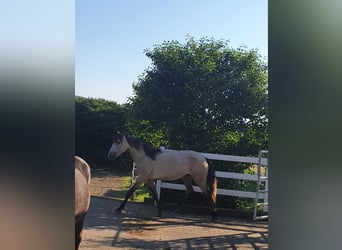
[
  {"x": 106, "y": 182},
  {"x": 138, "y": 227}
]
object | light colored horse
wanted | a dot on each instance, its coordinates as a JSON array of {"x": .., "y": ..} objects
[
  {"x": 153, "y": 164},
  {"x": 82, "y": 196}
]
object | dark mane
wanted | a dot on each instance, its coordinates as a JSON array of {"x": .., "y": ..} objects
[{"x": 149, "y": 150}]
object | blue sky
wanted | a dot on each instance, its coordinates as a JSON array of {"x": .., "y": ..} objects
[{"x": 111, "y": 36}]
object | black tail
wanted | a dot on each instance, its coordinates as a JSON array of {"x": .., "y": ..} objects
[{"x": 212, "y": 187}]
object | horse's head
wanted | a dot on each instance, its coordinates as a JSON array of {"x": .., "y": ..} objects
[{"x": 118, "y": 147}]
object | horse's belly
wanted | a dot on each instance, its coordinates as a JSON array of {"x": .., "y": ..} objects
[{"x": 168, "y": 174}]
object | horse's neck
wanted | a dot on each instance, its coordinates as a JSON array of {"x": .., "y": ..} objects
[{"x": 137, "y": 155}]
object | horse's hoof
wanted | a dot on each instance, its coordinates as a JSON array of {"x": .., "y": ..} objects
[{"x": 118, "y": 211}]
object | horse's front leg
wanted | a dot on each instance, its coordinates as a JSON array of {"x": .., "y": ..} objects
[
  {"x": 128, "y": 195},
  {"x": 152, "y": 186}
]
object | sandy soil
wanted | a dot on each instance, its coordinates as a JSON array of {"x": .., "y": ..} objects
[{"x": 106, "y": 183}]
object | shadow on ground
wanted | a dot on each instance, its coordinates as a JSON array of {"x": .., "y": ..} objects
[{"x": 139, "y": 228}]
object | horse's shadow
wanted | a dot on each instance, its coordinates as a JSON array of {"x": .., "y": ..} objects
[{"x": 114, "y": 194}]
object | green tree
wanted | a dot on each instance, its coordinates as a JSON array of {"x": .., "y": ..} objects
[
  {"x": 96, "y": 121},
  {"x": 204, "y": 95}
]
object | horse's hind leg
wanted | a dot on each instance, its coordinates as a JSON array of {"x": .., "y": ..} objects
[
  {"x": 210, "y": 199},
  {"x": 78, "y": 232},
  {"x": 212, "y": 203},
  {"x": 187, "y": 180},
  {"x": 152, "y": 186}
]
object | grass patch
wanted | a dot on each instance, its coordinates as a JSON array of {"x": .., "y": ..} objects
[{"x": 139, "y": 195}]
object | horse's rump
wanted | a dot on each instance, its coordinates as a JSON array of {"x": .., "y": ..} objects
[
  {"x": 82, "y": 192},
  {"x": 83, "y": 167},
  {"x": 82, "y": 195}
]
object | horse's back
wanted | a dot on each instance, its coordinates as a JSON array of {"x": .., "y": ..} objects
[
  {"x": 172, "y": 165},
  {"x": 184, "y": 157},
  {"x": 82, "y": 192}
]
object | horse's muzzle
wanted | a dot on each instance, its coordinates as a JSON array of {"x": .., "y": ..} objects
[{"x": 111, "y": 156}]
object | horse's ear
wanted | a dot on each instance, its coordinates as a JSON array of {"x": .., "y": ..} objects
[{"x": 121, "y": 134}]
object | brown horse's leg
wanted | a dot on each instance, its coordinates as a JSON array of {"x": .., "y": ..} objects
[
  {"x": 209, "y": 188},
  {"x": 187, "y": 180},
  {"x": 212, "y": 203},
  {"x": 210, "y": 198},
  {"x": 78, "y": 232},
  {"x": 152, "y": 186},
  {"x": 128, "y": 195}
]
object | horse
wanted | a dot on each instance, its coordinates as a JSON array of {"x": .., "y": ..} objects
[
  {"x": 82, "y": 196},
  {"x": 153, "y": 164}
]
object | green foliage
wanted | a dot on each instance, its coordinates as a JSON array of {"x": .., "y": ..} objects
[
  {"x": 96, "y": 120},
  {"x": 247, "y": 204},
  {"x": 144, "y": 130},
  {"x": 204, "y": 95}
]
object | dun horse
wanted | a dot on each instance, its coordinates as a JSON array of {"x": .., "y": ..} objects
[
  {"x": 153, "y": 164},
  {"x": 82, "y": 196}
]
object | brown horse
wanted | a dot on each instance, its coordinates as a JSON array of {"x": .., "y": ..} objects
[
  {"x": 153, "y": 164},
  {"x": 82, "y": 196}
]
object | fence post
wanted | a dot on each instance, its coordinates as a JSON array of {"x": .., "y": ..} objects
[
  {"x": 266, "y": 192},
  {"x": 158, "y": 183},
  {"x": 132, "y": 178}
]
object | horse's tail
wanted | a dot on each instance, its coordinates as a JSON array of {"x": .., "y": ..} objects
[{"x": 211, "y": 182}]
